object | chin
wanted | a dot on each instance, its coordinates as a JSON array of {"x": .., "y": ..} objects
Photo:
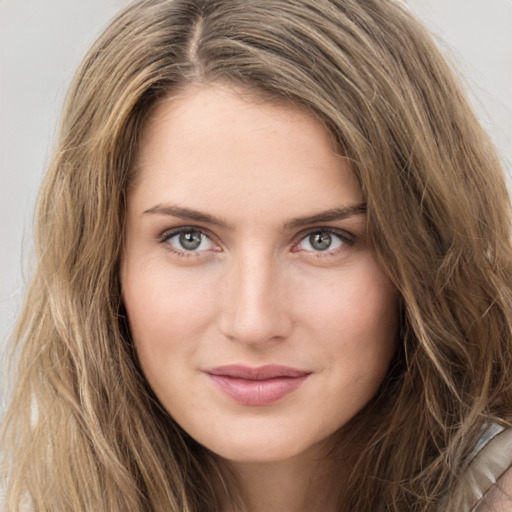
[{"x": 263, "y": 447}]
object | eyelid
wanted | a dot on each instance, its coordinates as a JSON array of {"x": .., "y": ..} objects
[
  {"x": 172, "y": 232},
  {"x": 345, "y": 236}
]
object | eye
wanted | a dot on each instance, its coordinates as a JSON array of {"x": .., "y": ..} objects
[
  {"x": 323, "y": 241},
  {"x": 188, "y": 240}
]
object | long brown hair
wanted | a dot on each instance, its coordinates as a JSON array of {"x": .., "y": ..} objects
[{"x": 83, "y": 430}]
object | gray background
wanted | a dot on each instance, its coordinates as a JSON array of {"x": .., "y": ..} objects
[{"x": 42, "y": 42}]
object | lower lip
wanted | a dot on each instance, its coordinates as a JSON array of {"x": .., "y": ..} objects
[{"x": 257, "y": 392}]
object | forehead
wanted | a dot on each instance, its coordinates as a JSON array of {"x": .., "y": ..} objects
[{"x": 215, "y": 147}]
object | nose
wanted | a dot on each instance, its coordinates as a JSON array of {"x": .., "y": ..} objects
[{"x": 254, "y": 309}]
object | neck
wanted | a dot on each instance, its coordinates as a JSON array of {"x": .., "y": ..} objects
[{"x": 295, "y": 485}]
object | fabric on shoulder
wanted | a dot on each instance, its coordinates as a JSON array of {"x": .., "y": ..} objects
[
  {"x": 498, "y": 497},
  {"x": 486, "y": 485}
]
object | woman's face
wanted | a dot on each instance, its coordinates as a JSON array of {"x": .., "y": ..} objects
[{"x": 260, "y": 316}]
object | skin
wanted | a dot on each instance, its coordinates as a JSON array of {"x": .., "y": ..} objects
[{"x": 257, "y": 290}]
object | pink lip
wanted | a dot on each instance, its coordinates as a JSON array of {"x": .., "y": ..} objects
[{"x": 257, "y": 386}]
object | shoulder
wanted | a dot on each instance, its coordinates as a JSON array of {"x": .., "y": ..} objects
[{"x": 486, "y": 485}]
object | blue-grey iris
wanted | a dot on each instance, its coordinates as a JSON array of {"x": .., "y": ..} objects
[
  {"x": 191, "y": 240},
  {"x": 320, "y": 241}
]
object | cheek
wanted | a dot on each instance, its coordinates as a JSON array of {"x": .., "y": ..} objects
[
  {"x": 353, "y": 322},
  {"x": 167, "y": 311},
  {"x": 357, "y": 303}
]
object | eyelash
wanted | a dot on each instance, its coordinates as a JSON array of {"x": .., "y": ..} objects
[
  {"x": 167, "y": 235},
  {"x": 344, "y": 237}
]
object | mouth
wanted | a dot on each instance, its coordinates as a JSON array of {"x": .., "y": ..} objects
[{"x": 257, "y": 386}]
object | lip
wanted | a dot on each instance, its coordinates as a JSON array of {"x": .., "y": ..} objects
[{"x": 263, "y": 385}]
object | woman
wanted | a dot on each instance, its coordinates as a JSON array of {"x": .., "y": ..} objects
[{"x": 274, "y": 273}]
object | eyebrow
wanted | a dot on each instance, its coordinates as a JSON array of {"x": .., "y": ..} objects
[
  {"x": 327, "y": 216},
  {"x": 331, "y": 215},
  {"x": 188, "y": 214}
]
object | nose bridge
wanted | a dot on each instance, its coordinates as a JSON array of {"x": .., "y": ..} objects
[{"x": 253, "y": 311}]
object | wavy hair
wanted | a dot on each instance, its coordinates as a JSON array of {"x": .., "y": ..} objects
[{"x": 84, "y": 431}]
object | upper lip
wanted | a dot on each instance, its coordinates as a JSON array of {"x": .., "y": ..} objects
[{"x": 270, "y": 371}]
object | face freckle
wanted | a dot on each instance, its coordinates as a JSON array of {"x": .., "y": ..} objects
[{"x": 259, "y": 314}]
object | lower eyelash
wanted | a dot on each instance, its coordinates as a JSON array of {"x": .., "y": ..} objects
[{"x": 184, "y": 254}]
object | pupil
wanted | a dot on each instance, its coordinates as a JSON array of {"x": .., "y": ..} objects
[
  {"x": 320, "y": 241},
  {"x": 190, "y": 240}
]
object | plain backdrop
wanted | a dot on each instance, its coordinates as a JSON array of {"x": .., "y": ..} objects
[{"x": 42, "y": 42}]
